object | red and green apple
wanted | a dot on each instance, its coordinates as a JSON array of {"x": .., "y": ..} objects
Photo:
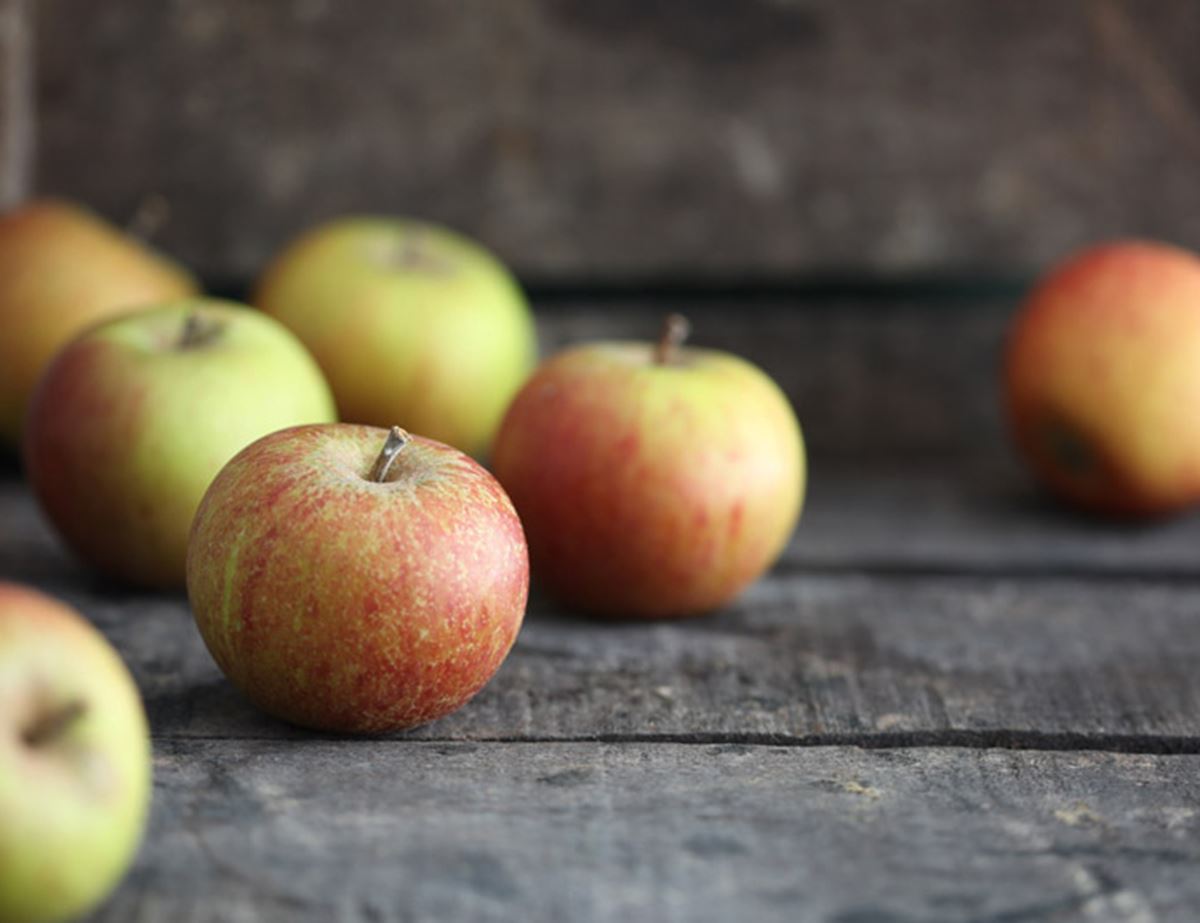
[
  {"x": 1101, "y": 373},
  {"x": 352, "y": 580},
  {"x": 652, "y": 480},
  {"x": 74, "y": 761},
  {"x": 133, "y": 420},
  {"x": 62, "y": 269}
]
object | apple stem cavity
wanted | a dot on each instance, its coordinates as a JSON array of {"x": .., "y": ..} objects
[
  {"x": 198, "y": 330},
  {"x": 53, "y": 725},
  {"x": 675, "y": 330},
  {"x": 396, "y": 441},
  {"x": 411, "y": 252}
]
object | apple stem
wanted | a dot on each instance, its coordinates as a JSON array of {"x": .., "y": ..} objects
[
  {"x": 55, "y": 723},
  {"x": 197, "y": 330},
  {"x": 397, "y": 439},
  {"x": 675, "y": 330}
]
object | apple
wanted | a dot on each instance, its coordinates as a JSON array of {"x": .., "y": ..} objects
[
  {"x": 412, "y": 324},
  {"x": 1101, "y": 373},
  {"x": 74, "y": 761},
  {"x": 651, "y": 480},
  {"x": 352, "y": 580},
  {"x": 134, "y": 419},
  {"x": 62, "y": 269}
]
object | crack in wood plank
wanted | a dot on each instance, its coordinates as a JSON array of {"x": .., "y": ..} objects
[{"x": 953, "y": 739}]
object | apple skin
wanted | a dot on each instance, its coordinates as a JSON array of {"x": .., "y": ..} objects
[
  {"x": 1102, "y": 368},
  {"x": 127, "y": 428},
  {"x": 338, "y": 603},
  {"x": 73, "y": 807},
  {"x": 413, "y": 325},
  {"x": 62, "y": 269},
  {"x": 651, "y": 490}
]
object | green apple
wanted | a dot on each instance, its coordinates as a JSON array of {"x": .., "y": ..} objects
[
  {"x": 411, "y": 323},
  {"x": 134, "y": 419},
  {"x": 350, "y": 580},
  {"x": 1102, "y": 373},
  {"x": 652, "y": 480},
  {"x": 74, "y": 761},
  {"x": 62, "y": 269}
]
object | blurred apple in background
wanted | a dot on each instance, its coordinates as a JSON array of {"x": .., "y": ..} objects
[
  {"x": 74, "y": 761},
  {"x": 651, "y": 480},
  {"x": 353, "y": 580},
  {"x": 1102, "y": 379},
  {"x": 62, "y": 269},
  {"x": 134, "y": 419},
  {"x": 413, "y": 325}
]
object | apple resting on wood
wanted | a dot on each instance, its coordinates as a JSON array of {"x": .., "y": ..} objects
[
  {"x": 412, "y": 324},
  {"x": 74, "y": 761},
  {"x": 134, "y": 419},
  {"x": 1102, "y": 379},
  {"x": 348, "y": 579},
  {"x": 62, "y": 269},
  {"x": 651, "y": 480}
]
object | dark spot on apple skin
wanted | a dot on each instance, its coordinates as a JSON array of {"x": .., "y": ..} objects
[
  {"x": 568, "y": 778},
  {"x": 1068, "y": 449}
]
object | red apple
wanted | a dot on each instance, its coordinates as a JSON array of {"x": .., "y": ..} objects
[
  {"x": 61, "y": 270},
  {"x": 350, "y": 580},
  {"x": 74, "y": 761},
  {"x": 1102, "y": 375},
  {"x": 135, "y": 417},
  {"x": 652, "y": 481}
]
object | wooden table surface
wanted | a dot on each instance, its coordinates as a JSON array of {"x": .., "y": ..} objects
[{"x": 949, "y": 701}]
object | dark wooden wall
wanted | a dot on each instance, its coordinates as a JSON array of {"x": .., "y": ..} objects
[{"x": 636, "y": 137}]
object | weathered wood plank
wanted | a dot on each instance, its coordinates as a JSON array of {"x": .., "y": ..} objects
[
  {"x": 16, "y": 101},
  {"x": 621, "y": 137},
  {"x": 403, "y": 831},
  {"x": 972, "y": 518},
  {"x": 803, "y": 656},
  {"x": 889, "y": 379}
]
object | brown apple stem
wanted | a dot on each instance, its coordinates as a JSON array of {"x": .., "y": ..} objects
[
  {"x": 397, "y": 439},
  {"x": 198, "y": 330},
  {"x": 51, "y": 726},
  {"x": 675, "y": 330}
]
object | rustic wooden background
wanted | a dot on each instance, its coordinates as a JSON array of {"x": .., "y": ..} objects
[
  {"x": 635, "y": 138},
  {"x": 951, "y": 700}
]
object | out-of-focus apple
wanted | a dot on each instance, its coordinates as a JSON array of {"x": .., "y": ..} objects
[
  {"x": 134, "y": 419},
  {"x": 62, "y": 269},
  {"x": 651, "y": 480},
  {"x": 74, "y": 761},
  {"x": 350, "y": 580},
  {"x": 1102, "y": 370},
  {"x": 412, "y": 324}
]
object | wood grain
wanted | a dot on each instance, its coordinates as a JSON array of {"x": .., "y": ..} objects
[
  {"x": 824, "y": 650},
  {"x": 17, "y": 129},
  {"x": 869, "y": 379},
  {"x": 576, "y": 137},
  {"x": 404, "y": 831}
]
